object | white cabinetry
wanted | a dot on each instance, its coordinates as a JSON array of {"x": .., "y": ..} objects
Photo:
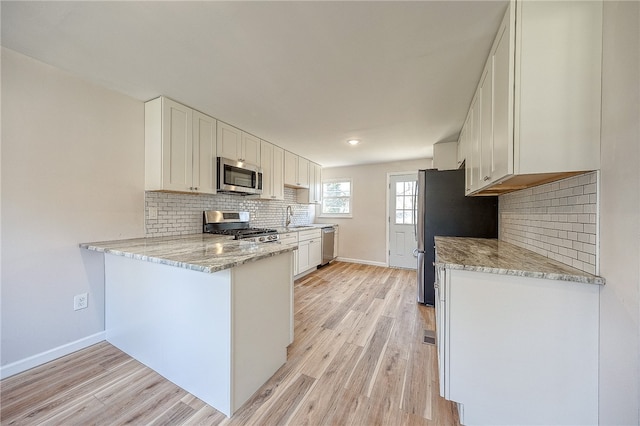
[
  {"x": 528, "y": 354},
  {"x": 180, "y": 147},
  {"x": 472, "y": 131},
  {"x": 296, "y": 170},
  {"x": 445, "y": 155},
  {"x": 309, "y": 249},
  {"x": 313, "y": 194},
  {"x": 291, "y": 239},
  {"x": 539, "y": 99},
  {"x": 272, "y": 163},
  {"x": 237, "y": 145}
]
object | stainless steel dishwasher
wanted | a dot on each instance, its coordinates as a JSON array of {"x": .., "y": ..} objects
[{"x": 328, "y": 235}]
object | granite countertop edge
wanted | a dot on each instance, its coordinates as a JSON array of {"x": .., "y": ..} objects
[
  {"x": 485, "y": 262},
  {"x": 207, "y": 264}
]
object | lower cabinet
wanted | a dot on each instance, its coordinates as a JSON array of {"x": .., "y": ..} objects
[
  {"x": 309, "y": 250},
  {"x": 517, "y": 350},
  {"x": 291, "y": 239}
]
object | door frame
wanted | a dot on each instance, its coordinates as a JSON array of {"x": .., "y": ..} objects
[{"x": 388, "y": 213}]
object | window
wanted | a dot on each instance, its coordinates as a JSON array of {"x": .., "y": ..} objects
[
  {"x": 336, "y": 198},
  {"x": 405, "y": 192}
]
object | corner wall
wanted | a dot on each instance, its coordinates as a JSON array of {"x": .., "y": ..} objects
[
  {"x": 72, "y": 172},
  {"x": 620, "y": 216}
]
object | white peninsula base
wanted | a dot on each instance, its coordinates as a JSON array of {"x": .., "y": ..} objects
[{"x": 219, "y": 336}]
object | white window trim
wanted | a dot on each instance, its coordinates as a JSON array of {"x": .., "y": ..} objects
[{"x": 338, "y": 215}]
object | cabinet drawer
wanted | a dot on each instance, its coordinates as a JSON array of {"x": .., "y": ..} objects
[
  {"x": 291, "y": 241},
  {"x": 288, "y": 235},
  {"x": 308, "y": 234}
]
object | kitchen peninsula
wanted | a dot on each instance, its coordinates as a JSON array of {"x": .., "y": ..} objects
[
  {"x": 211, "y": 314},
  {"x": 517, "y": 334}
]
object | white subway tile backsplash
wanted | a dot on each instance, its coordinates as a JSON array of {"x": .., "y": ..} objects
[
  {"x": 181, "y": 214},
  {"x": 558, "y": 220}
]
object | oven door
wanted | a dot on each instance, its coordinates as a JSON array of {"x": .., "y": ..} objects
[{"x": 238, "y": 177}]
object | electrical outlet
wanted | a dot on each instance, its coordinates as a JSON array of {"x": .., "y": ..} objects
[
  {"x": 80, "y": 301},
  {"x": 153, "y": 213}
]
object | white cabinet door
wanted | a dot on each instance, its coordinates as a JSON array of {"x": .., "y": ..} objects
[
  {"x": 303, "y": 172},
  {"x": 277, "y": 173},
  {"x": 304, "y": 260},
  {"x": 177, "y": 146},
  {"x": 474, "y": 143},
  {"x": 315, "y": 185},
  {"x": 204, "y": 153},
  {"x": 315, "y": 252},
  {"x": 312, "y": 194},
  {"x": 271, "y": 159},
  {"x": 266, "y": 162},
  {"x": 502, "y": 153},
  {"x": 229, "y": 141},
  {"x": 249, "y": 149},
  {"x": 486, "y": 124},
  {"x": 290, "y": 169}
]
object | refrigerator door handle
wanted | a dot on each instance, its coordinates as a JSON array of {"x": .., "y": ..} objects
[
  {"x": 415, "y": 211},
  {"x": 421, "y": 278}
]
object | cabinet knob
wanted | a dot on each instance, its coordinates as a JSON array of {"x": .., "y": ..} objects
[{"x": 486, "y": 178}]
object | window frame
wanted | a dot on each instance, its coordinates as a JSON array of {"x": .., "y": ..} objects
[{"x": 337, "y": 215}]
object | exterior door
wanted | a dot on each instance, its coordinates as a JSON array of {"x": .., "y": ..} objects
[{"x": 402, "y": 216}]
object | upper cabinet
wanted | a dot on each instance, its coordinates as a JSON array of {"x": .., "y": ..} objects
[
  {"x": 272, "y": 163},
  {"x": 237, "y": 145},
  {"x": 313, "y": 194},
  {"x": 535, "y": 116},
  {"x": 180, "y": 147},
  {"x": 296, "y": 171},
  {"x": 445, "y": 155}
]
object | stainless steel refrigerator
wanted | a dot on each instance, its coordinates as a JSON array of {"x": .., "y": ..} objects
[{"x": 444, "y": 210}]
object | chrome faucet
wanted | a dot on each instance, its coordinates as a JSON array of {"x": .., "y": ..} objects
[{"x": 289, "y": 214}]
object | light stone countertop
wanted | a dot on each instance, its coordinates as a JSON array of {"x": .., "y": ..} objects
[
  {"x": 297, "y": 228},
  {"x": 199, "y": 252},
  {"x": 498, "y": 257}
]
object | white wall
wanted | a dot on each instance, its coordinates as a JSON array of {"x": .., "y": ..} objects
[
  {"x": 72, "y": 171},
  {"x": 363, "y": 238},
  {"x": 620, "y": 217}
]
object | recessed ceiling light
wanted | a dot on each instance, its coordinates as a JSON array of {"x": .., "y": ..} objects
[{"x": 353, "y": 142}]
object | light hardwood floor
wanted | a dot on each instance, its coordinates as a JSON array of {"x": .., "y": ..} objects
[{"x": 358, "y": 359}]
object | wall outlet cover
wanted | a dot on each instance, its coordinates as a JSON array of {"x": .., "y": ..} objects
[{"x": 80, "y": 301}]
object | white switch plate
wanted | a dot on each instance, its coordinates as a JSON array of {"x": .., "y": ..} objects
[
  {"x": 153, "y": 213},
  {"x": 80, "y": 301}
]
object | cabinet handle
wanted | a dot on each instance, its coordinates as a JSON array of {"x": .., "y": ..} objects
[{"x": 486, "y": 178}]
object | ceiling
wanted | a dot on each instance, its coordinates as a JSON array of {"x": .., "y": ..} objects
[{"x": 307, "y": 76}]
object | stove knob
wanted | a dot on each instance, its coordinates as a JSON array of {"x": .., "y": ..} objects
[{"x": 261, "y": 239}]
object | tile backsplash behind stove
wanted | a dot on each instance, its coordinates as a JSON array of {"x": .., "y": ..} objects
[{"x": 181, "y": 214}]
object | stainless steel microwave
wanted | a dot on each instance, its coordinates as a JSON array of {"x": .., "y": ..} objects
[{"x": 238, "y": 177}]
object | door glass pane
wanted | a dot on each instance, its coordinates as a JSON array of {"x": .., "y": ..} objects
[{"x": 404, "y": 202}]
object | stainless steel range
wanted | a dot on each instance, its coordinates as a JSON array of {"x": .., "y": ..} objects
[{"x": 237, "y": 225}]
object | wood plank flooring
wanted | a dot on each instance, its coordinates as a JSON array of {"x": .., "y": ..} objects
[{"x": 357, "y": 359}]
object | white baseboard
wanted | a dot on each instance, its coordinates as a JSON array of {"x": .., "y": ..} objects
[
  {"x": 55, "y": 353},
  {"x": 364, "y": 262}
]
